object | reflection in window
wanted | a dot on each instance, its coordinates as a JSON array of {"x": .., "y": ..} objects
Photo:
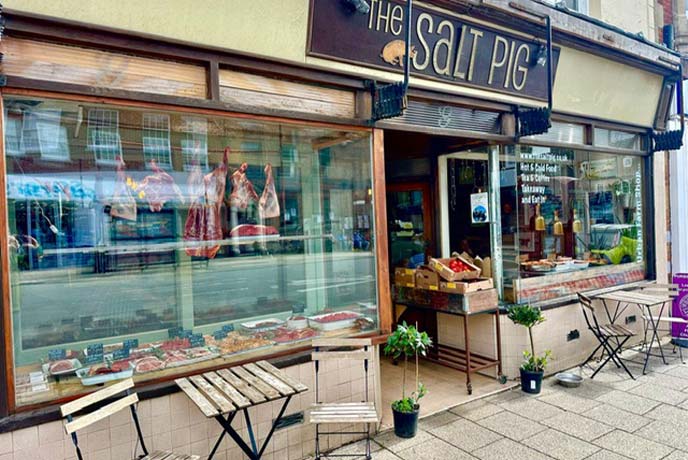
[
  {"x": 195, "y": 143},
  {"x": 617, "y": 139},
  {"x": 156, "y": 139},
  {"x": 253, "y": 238},
  {"x": 13, "y": 133},
  {"x": 103, "y": 135}
]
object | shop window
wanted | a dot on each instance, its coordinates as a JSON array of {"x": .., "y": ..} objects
[
  {"x": 13, "y": 133},
  {"x": 103, "y": 135},
  {"x": 122, "y": 270},
  {"x": 194, "y": 143},
  {"x": 156, "y": 139},
  {"x": 565, "y": 133},
  {"x": 617, "y": 139},
  {"x": 571, "y": 221}
]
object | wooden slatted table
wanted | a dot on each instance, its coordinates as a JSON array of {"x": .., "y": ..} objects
[
  {"x": 645, "y": 302},
  {"x": 223, "y": 394}
]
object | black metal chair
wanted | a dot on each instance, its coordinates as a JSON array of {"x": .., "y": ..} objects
[{"x": 611, "y": 337}]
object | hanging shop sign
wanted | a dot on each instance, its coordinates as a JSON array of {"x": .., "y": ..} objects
[{"x": 444, "y": 46}]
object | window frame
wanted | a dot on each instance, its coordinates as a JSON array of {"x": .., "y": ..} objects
[
  {"x": 8, "y": 403},
  {"x": 92, "y": 132},
  {"x": 165, "y": 151}
]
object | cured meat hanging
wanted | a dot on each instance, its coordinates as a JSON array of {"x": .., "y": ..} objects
[
  {"x": 123, "y": 204},
  {"x": 159, "y": 188},
  {"x": 203, "y": 221},
  {"x": 243, "y": 192},
  {"x": 268, "y": 206}
]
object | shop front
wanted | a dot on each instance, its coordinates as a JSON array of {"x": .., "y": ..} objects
[{"x": 173, "y": 209}]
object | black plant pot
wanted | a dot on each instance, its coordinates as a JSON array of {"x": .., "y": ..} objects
[
  {"x": 531, "y": 382},
  {"x": 406, "y": 423}
]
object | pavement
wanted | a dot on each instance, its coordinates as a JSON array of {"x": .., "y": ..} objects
[{"x": 609, "y": 418}]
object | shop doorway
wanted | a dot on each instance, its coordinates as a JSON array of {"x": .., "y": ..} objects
[{"x": 431, "y": 181}]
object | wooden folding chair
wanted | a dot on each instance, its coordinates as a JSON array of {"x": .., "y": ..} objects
[
  {"x": 130, "y": 400},
  {"x": 363, "y": 412},
  {"x": 605, "y": 334}
]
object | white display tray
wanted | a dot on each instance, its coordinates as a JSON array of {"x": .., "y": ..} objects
[
  {"x": 76, "y": 364},
  {"x": 87, "y": 380},
  {"x": 334, "y": 325}
]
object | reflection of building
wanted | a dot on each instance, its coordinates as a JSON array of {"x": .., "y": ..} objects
[{"x": 578, "y": 208}]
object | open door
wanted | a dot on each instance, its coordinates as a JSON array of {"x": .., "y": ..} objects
[{"x": 409, "y": 223}]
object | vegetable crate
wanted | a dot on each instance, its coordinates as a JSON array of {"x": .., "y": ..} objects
[{"x": 455, "y": 269}]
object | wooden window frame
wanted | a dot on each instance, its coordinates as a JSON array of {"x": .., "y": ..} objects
[{"x": 7, "y": 390}]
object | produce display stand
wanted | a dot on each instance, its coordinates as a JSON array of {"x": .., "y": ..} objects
[{"x": 474, "y": 303}]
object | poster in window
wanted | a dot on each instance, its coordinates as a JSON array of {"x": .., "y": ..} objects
[{"x": 479, "y": 207}]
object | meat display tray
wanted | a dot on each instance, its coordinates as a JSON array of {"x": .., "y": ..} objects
[
  {"x": 87, "y": 380},
  {"x": 314, "y": 322}
]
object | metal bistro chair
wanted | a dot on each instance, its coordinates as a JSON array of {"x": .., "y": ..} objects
[
  {"x": 605, "y": 334},
  {"x": 73, "y": 425},
  {"x": 363, "y": 412}
]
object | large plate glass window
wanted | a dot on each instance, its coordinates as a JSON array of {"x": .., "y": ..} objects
[
  {"x": 245, "y": 238},
  {"x": 572, "y": 221}
]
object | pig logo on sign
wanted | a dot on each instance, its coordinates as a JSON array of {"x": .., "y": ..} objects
[{"x": 395, "y": 51}]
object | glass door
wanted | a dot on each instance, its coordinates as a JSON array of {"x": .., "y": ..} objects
[{"x": 409, "y": 224}]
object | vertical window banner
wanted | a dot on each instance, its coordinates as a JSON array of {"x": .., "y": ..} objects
[{"x": 680, "y": 308}]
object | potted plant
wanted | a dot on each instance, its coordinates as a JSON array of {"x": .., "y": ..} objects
[
  {"x": 533, "y": 367},
  {"x": 407, "y": 342}
]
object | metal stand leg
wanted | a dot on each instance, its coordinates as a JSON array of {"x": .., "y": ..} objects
[
  {"x": 251, "y": 436},
  {"x": 469, "y": 385}
]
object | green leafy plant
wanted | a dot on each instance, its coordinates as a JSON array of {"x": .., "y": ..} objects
[
  {"x": 407, "y": 342},
  {"x": 529, "y": 317}
]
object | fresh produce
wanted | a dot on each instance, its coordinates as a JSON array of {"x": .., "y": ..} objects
[{"x": 458, "y": 266}]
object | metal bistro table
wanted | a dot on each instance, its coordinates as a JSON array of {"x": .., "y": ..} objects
[
  {"x": 644, "y": 302},
  {"x": 222, "y": 394}
]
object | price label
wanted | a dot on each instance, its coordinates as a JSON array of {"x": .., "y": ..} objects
[
  {"x": 130, "y": 344},
  {"x": 175, "y": 332},
  {"x": 220, "y": 335},
  {"x": 186, "y": 334},
  {"x": 94, "y": 359},
  {"x": 120, "y": 354},
  {"x": 197, "y": 341},
  {"x": 95, "y": 349},
  {"x": 57, "y": 354},
  {"x": 228, "y": 327}
]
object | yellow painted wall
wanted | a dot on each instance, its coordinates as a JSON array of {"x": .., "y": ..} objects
[
  {"x": 278, "y": 29},
  {"x": 591, "y": 85}
]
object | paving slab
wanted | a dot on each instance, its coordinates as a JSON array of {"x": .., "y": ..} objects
[
  {"x": 570, "y": 403},
  {"x": 633, "y": 446},
  {"x": 665, "y": 433},
  {"x": 435, "y": 449},
  {"x": 628, "y": 402},
  {"x": 508, "y": 449},
  {"x": 617, "y": 418},
  {"x": 667, "y": 413},
  {"x": 578, "y": 426},
  {"x": 356, "y": 448},
  {"x": 532, "y": 409},
  {"x": 667, "y": 380},
  {"x": 390, "y": 441},
  {"x": 606, "y": 455},
  {"x": 677, "y": 455},
  {"x": 437, "y": 420},
  {"x": 660, "y": 393},
  {"x": 465, "y": 435},
  {"x": 476, "y": 410},
  {"x": 678, "y": 371},
  {"x": 560, "y": 446},
  {"x": 511, "y": 425}
]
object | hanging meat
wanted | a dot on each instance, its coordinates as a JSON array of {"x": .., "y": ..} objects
[
  {"x": 243, "y": 192},
  {"x": 268, "y": 206},
  {"x": 123, "y": 204},
  {"x": 203, "y": 221},
  {"x": 159, "y": 188}
]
